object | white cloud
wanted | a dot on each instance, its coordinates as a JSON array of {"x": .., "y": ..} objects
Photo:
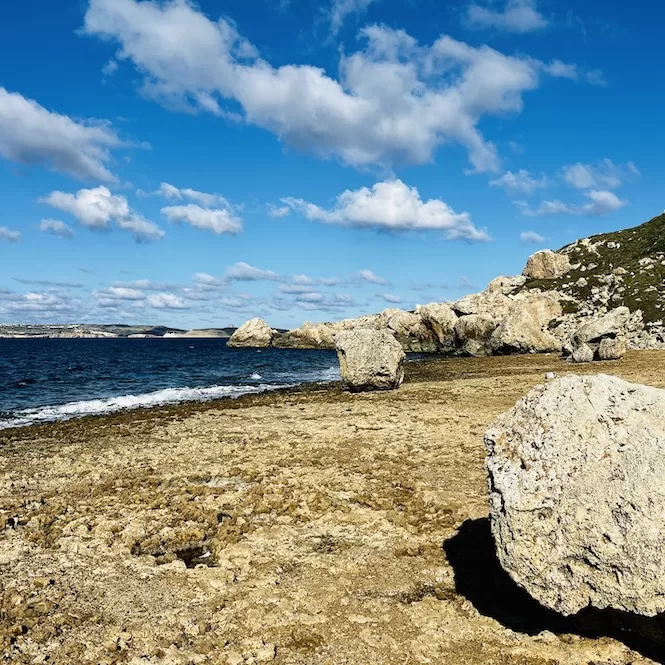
[
  {"x": 97, "y": 208},
  {"x": 342, "y": 8},
  {"x": 605, "y": 175},
  {"x": 295, "y": 288},
  {"x": 94, "y": 208},
  {"x": 140, "y": 228},
  {"x": 391, "y": 205},
  {"x": 42, "y": 306},
  {"x": 389, "y": 297},
  {"x": 531, "y": 237},
  {"x": 218, "y": 221},
  {"x": 601, "y": 202},
  {"x": 517, "y": 16},
  {"x": 394, "y": 101},
  {"x": 522, "y": 181},
  {"x": 31, "y": 134},
  {"x": 312, "y": 296},
  {"x": 203, "y": 198},
  {"x": 56, "y": 227},
  {"x": 9, "y": 234},
  {"x": 243, "y": 272},
  {"x": 110, "y": 68},
  {"x": 166, "y": 301},
  {"x": 372, "y": 278},
  {"x": 206, "y": 280},
  {"x": 278, "y": 211}
]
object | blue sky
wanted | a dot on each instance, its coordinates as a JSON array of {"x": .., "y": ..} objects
[{"x": 195, "y": 164}]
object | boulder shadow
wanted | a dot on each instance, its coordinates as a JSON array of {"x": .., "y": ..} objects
[{"x": 480, "y": 578}]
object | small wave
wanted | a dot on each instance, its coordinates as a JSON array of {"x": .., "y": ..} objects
[{"x": 97, "y": 407}]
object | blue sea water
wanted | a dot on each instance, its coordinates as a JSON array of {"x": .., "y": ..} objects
[{"x": 44, "y": 380}]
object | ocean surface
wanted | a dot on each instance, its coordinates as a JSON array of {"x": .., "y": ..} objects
[{"x": 44, "y": 380}]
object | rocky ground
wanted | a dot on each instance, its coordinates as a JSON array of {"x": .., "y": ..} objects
[{"x": 304, "y": 527}]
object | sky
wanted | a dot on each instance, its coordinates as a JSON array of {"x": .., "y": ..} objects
[{"x": 195, "y": 164}]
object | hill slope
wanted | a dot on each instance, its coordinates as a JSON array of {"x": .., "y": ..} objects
[{"x": 613, "y": 269}]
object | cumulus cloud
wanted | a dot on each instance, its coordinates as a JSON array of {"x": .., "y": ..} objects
[
  {"x": 219, "y": 221},
  {"x": 531, "y": 237},
  {"x": 97, "y": 208},
  {"x": 31, "y": 134},
  {"x": 243, "y": 272},
  {"x": 370, "y": 277},
  {"x": 38, "y": 306},
  {"x": 56, "y": 227},
  {"x": 391, "y": 298},
  {"x": 516, "y": 16},
  {"x": 605, "y": 175},
  {"x": 391, "y": 205},
  {"x": 601, "y": 202},
  {"x": 9, "y": 235},
  {"x": 394, "y": 101},
  {"x": 342, "y": 8},
  {"x": 522, "y": 181}
]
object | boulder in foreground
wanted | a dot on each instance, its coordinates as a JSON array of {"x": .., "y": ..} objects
[
  {"x": 255, "y": 333},
  {"x": 576, "y": 498},
  {"x": 370, "y": 360}
]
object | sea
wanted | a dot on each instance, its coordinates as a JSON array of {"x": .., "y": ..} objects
[{"x": 46, "y": 380}]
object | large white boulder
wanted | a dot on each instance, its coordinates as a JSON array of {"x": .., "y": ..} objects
[
  {"x": 612, "y": 324},
  {"x": 612, "y": 348},
  {"x": 576, "y": 494},
  {"x": 255, "y": 333},
  {"x": 370, "y": 360},
  {"x": 524, "y": 329},
  {"x": 546, "y": 264}
]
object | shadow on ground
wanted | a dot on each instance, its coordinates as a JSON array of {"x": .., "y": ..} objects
[{"x": 480, "y": 578}]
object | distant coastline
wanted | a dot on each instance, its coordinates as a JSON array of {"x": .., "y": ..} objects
[{"x": 107, "y": 331}]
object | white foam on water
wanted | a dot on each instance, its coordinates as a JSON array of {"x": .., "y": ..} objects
[
  {"x": 256, "y": 377},
  {"x": 97, "y": 407}
]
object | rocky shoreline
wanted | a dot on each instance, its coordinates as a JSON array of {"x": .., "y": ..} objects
[
  {"x": 615, "y": 281},
  {"x": 303, "y": 526}
]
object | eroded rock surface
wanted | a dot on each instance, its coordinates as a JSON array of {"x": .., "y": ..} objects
[
  {"x": 370, "y": 360},
  {"x": 546, "y": 264},
  {"x": 255, "y": 333},
  {"x": 576, "y": 498}
]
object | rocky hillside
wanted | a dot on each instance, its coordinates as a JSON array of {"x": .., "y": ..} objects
[
  {"x": 623, "y": 268},
  {"x": 608, "y": 288}
]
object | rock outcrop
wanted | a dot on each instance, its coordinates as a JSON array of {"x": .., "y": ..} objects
[
  {"x": 576, "y": 501},
  {"x": 611, "y": 324},
  {"x": 546, "y": 264},
  {"x": 256, "y": 333},
  {"x": 370, "y": 360},
  {"x": 474, "y": 334},
  {"x": 524, "y": 328},
  {"x": 440, "y": 319}
]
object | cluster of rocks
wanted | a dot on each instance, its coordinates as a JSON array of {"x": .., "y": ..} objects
[
  {"x": 539, "y": 311},
  {"x": 577, "y": 511}
]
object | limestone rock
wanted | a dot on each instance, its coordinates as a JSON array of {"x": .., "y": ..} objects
[
  {"x": 576, "y": 500},
  {"x": 440, "y": 320},
  {"x": 474, "y": 334},
  {"x": 410, "y": 331},
  {"x": 255, "y": 333},
  {"x": 522, "y": 331},
  {"x": 610, "y": 325},
  {"x": 506, "y": 285},
  {"x": 612, "y": 349},
  {"x": 582, "y": 354},
  {"x": 495, "y": 305},
  {"x": 370, "y": 360},
  {"x": 546, "y": 264},
  {"x": 308, "y": 336}
]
